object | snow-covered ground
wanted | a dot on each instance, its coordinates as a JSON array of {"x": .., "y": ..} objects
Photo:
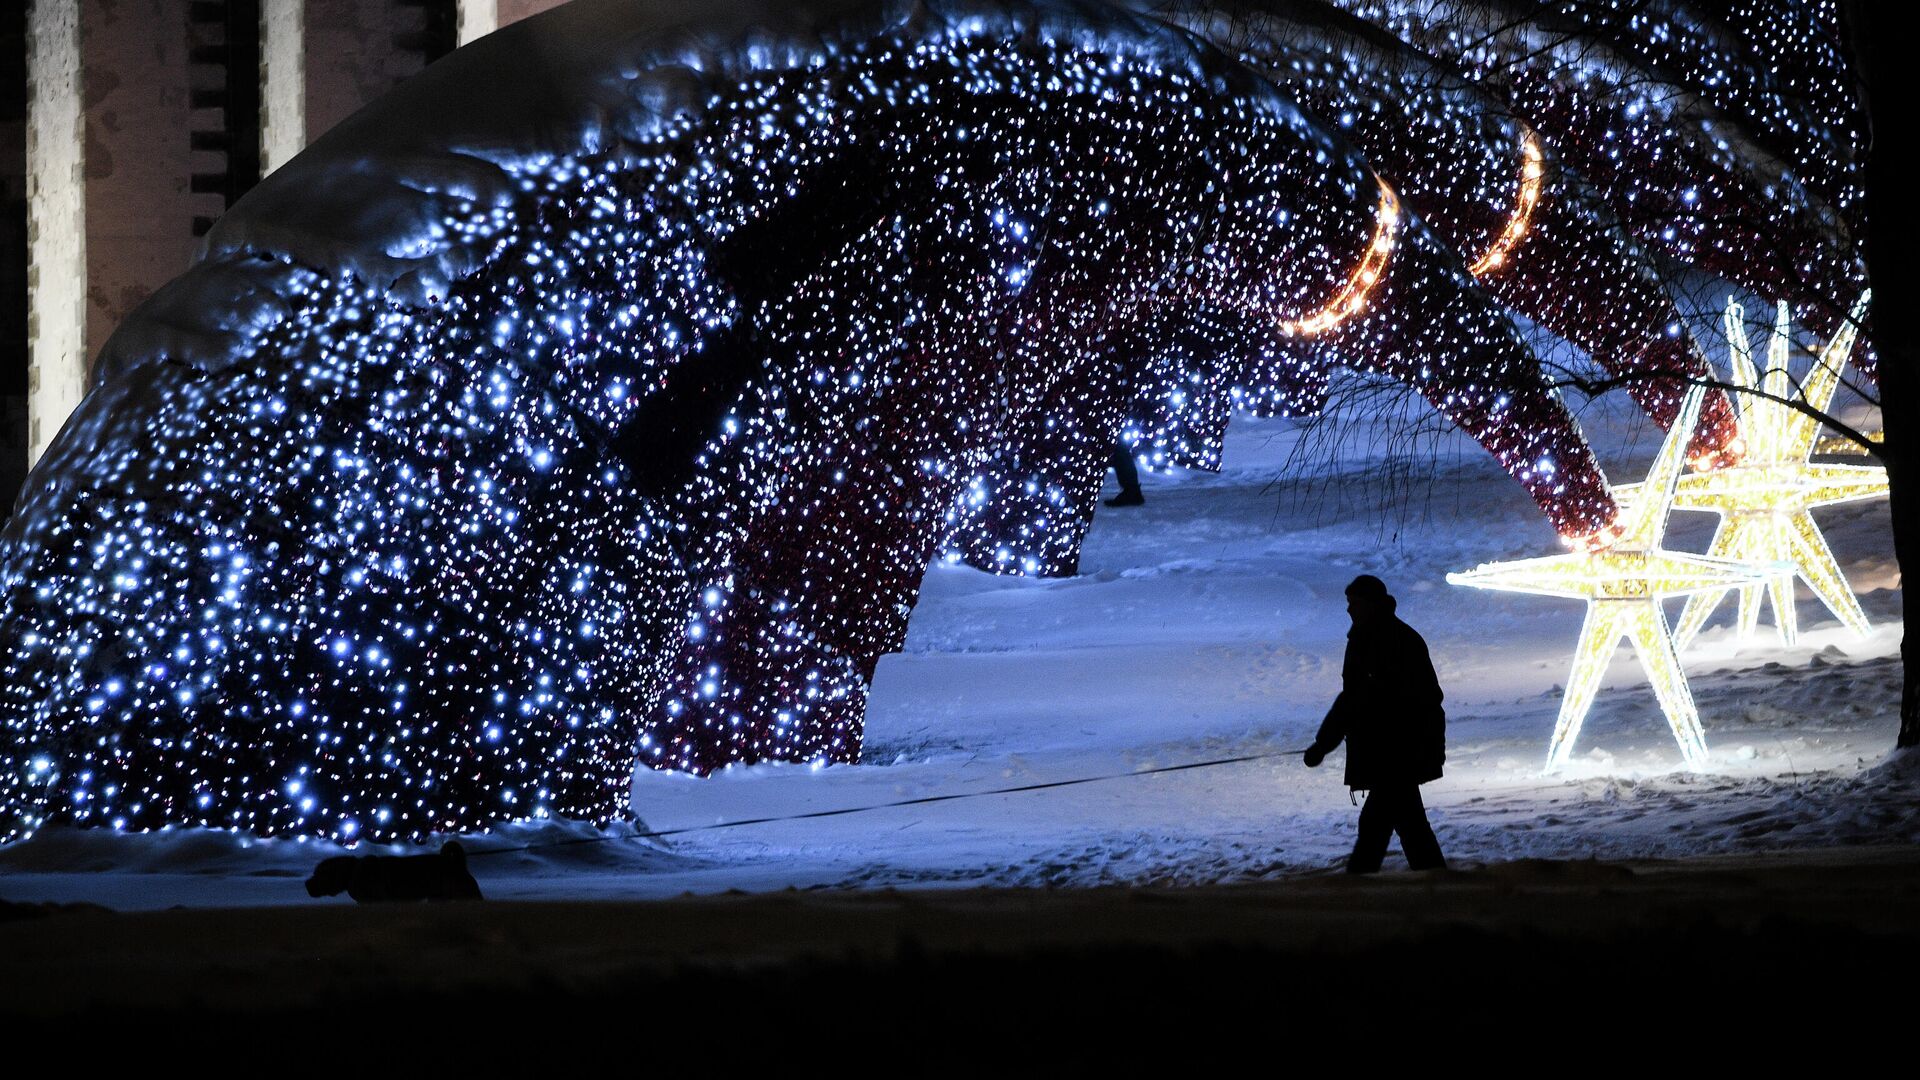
[{"x": 1208, "y": 624}]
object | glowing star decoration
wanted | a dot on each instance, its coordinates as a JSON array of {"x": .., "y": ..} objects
[
  {"x": 1623, "y": 586},
  {"x": 1533, "y": 168},
  {"x": 512, "y": 439},
  {"x": 1841, "y": 446},
  {"x": 1764, "y": 501}
]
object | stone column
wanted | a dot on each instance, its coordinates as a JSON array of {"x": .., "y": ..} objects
[
  {"x": 283, "y": 81},
  {"x": 478, "y": 18},
  {"x": 56, "y": 223}
]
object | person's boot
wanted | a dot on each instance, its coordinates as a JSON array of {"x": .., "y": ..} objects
[{"x": 1126, "y": 498}]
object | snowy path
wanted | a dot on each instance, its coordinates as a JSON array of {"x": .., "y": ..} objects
[{"x": 1210, "y": 623}]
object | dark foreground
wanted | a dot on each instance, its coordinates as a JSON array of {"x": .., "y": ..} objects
[{"x": 1757, "y": 957}]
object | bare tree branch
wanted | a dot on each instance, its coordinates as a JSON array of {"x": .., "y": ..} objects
[{"x": 1594, "y": 387}]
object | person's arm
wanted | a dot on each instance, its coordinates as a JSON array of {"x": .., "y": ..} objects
[{"x": 1332, "y": 730}]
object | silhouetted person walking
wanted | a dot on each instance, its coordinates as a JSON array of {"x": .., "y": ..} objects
[
  {"x": 1125, "y": 471},
  {"x": 1389, "y": 714}
]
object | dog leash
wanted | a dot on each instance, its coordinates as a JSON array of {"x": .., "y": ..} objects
[{"x": 920, "y": 801}]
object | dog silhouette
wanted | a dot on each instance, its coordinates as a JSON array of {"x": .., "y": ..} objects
[{"x": 373, "y": 879}]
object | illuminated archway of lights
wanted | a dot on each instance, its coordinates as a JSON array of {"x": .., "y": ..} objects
[
  {"x": 1661, "y": 111},
  {"x": 1623, "y": 586},
  {"x": 1764, "y": 503},
  {"x": 505, "y": 439},
  {"x": 1589, "y": 274},
  {"x": 638, "y": 447},
  {"x": 1533, "y": 168},
  {"x": 1351, "y": 299}
]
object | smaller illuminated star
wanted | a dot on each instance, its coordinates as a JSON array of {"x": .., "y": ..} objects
[
  {"x": 1764, "y": 501},
  {"x": 1623, "y": 585}
]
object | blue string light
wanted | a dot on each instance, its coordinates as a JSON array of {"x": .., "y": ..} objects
[{"x": 656, "y": 478}]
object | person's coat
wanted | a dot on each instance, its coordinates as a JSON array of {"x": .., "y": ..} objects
[{"x": 1388, "y": 711}]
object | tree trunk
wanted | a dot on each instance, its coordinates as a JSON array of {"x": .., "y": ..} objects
[{"x": 1893, "y": 234}]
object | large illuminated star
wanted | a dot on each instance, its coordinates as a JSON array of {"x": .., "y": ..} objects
[
  {"x": 1623, "y": 585},
  {"x": 1763, "y": 502}
]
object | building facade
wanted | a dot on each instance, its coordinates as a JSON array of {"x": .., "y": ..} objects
[{"x": 130, "y": 126}]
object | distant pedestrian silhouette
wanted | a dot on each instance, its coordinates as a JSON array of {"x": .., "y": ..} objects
[
  {"x": 1389, "y": 714},
  {"x": 1125, "y": 471}
]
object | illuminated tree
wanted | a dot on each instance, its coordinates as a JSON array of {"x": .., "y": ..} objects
[{"x": 527, "y": 427}]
